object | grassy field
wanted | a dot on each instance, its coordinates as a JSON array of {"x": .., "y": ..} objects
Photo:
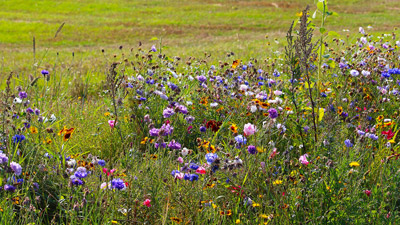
[
  {"x": 98, "y": 129},
  {"x": 185, "y": 27}
]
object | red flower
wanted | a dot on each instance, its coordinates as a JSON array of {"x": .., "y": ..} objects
[{"x": 389, "y": 134}]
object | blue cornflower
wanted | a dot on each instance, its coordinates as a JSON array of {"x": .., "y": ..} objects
[
  {"x": 193, "y": 177},
  {"x": 348, "y": 143},
  {"x": 18, "y": 138},
  {"x": 193, "y": 166},
  {"x": 211, "y": 157},
  {"x": 101, "y": 162}
]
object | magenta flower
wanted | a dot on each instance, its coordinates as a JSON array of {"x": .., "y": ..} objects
[
  {"x": 303, "y": 159},
  {"x": 367, "y": 192},
  {"x": 147, "y": 202},
  {"x": 112, "y": 123},
  {"x": 201, "y": 170}
]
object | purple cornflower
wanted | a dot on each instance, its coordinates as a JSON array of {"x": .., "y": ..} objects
[
  {"x": 182, "y": 109},
  {"x": 3, "y": 158},
  {"x": 201, "y": 78},
  {"x": 348, "y": 143},
  {"x": 272, "y": 113},
  {"x": 118, "y": 183},
  {"x": 45, "y": 72},
  {"x": 75, "y": 180},
  {"x": 211, "y": 157},
  {"x": 23, "y": 95},
  {"x": 154, "y": 132},
  {"x": 189, "y": 119},
  {"x": 9, "y": 188},
  {"x": 153, "y": 48},
  {"x": 16, "y": 168},
  {"x": 37, "y": 112},
  {"x": 29, "y": 110},
  {"x": 203, "y": 129},
  {"x": 168, "y": 112},
  {"x": 166, "y": 129},
  {"x": 252, "y": 149},
  {"x": 81, "y": 172},
  {"x": 160, "y": 145},
  {"x": 174, "y": 145}
]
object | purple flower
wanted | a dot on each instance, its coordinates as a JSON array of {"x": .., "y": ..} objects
[
  {"x": 252, "y": 149},
  {"x": 193, "y": 177},
  {"x": 118, "y": 183},
  {"x": 45, "y": 72},
  {"x": 3, "y": 158},
  {"x": 37, "y": 112},
  {"x": 168, "y": 112},
  {"x": 9, "y": 188},
  {"x": 16, "y": 168},
  {"x": 203, "y": 129},
  {"x": 189, "y": 119},
  {"x": 166, "y": 129},
  {"x": 182, "y": 109},
  {"x": 174, "y": 145},
  {"x": 161, "y": 145},
  {"x": 101, "y": 162},
  {"x": 23, "y": 95},
  {"x": 211, "y": 157},
  {"x": 348, "y": 143},
  {"x": 193, "y": 166},
  {"x": 273, "y": 113},
  {"x": 75, "y": 180},
  {"x": 201, "y": 78},
  {"x": 154, "y": 132},
  {"x": 153, "y": 48},
  {"x": 174, "y": 172},
  {"x": 29, "y": 110},
  {"x": 81, "y": 172}
]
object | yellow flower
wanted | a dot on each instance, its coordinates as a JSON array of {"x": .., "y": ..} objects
[
  {"x": 234, "y": 128},
  {"x": 214, "y": 205},
  {"x": 33, "y": 130},
  {"x": 106, "y": 113},
  {"x": 256, "y": 204},
  {"x": 264, "y": 216},
  {"x": 299, "y": 14},
  {"x": 237, "y": 221},
  {"x": 354, "y": 164},
  {"x": 176, "y": 219},
  {"x": 114, "y": 222},
  {"x": 277, "y": 182}
]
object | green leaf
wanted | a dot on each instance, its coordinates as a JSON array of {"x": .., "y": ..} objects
[
  {"x": 326, "y": 56},
  {"x": 333, "y": 33},
  {"x": 320, "y": 6},
  {"x": 322, "y": 30},
  {"x": 153, "y": 39}
]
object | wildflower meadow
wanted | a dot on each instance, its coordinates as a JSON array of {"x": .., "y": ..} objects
[{"x": 305, "y": 134}]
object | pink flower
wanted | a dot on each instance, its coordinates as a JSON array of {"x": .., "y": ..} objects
[
  {"x": 303, "y": 159},
  {"x": 147, "y": 202},
  {"x": 111, "y": 123},
  {"x": 179, "y": 159},
  {"x": 249, "y": 129},
  {"x": 179, "y": 176},
  {"x": 273, "y": 153},
  {"x": 201, "y": 170},
  {"x": 367, "y": 192}
]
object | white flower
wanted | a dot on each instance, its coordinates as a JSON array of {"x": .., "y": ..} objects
[
  {"x": 189, "y": 103},
  {"x": 243, "y": 87},
  {"x": 17, "y": 100},
  {"x": 253, "y": 108},
  {"x": 185, "y": 151},
  {"x": 214, "y": 104},
  {"x": 365, "y": 73}
]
